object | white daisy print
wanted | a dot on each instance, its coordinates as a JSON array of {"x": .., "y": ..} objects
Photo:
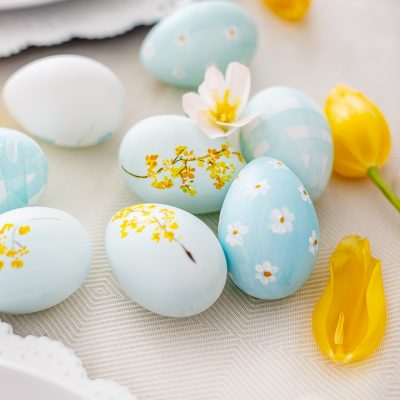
[
  {"x": 281, "y": 220},
  {"x": 304, "y": 194},
  {"x": 181, "y": 39},
  {"x": 313, "y": 240},
  {"x": 256, "y": 188},
  {"x": 266, "y": 272},
  {"x": 149, "y": 50},
  {"x": 235, "y": 233},
  {"x": 277, "y": 164},
  {"x": 231, "y": 32}
]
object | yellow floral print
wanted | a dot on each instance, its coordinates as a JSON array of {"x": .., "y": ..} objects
[
  {"x": 17, "y": 251},
  {"x": 141, "y": 216},
  {"x": 183, "y": 167}
]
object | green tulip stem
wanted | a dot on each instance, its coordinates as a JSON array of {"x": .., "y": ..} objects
[{"x": 375, "y": 177}]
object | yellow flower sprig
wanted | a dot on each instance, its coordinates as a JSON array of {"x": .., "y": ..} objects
[
  {"x": 361, "y": 137},
  {"x": 349, "y": 319}
]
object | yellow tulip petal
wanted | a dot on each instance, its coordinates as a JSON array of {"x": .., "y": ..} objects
[
  {"x": 291, "y": 10},
  {"x": 361, "y": 137},
  {"x": 349, "y": 319}
]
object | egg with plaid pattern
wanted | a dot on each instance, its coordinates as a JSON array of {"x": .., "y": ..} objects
[
  {"x": 292, "y": 129},
  {"x": 23, "y": 170}
]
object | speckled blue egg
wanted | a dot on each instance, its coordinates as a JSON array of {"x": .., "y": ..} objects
[
  {"x": 294, "y": 130},
  {"x": 269, "y": 230},
  {"x": 45, "y": 255},
  {"x": 166, "y": 259},
  {"x": 23, "y": 170},
  {"x": 180, "y": 48},
  {"x": 169, "y": 159}
]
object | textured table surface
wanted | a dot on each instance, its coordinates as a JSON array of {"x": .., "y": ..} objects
[{"x": 241, "y": 348}]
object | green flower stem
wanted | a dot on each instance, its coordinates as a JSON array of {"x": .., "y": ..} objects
[{"x": 375, "y": 177}]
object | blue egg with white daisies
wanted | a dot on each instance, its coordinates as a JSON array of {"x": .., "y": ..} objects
[{"x": 269, "y": 230}]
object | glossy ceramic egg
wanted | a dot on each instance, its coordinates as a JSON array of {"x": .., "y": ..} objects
[
  {"x": 45, "y": 255},
  {"x": 67, "y": 100},
  {"x": 166, "y": 259},
  {"x": 23, "y": 170},
  {"x": 293, "y": 130},
  {"x": 179, "y": 49},
  {"x": 269, "y": 230},
  {"x": 168, "y": 159}
]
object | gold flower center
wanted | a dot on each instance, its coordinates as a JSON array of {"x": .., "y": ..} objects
[
  {"x": 258, "y": 186},
  {"x": 282, "y": 220},
  {"x": 267, "y": 274},
  {"x": 224, "y": 111},
  {"x": 305, "y": 193},
  {"x": 182, "y": 38},
  {"x": 315, "y": 242},
  {"x": 235, "y": 232}
]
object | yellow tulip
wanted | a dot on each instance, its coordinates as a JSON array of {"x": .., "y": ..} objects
[
  {"x": 349, "y": 319},
  {"x": 291, "y": 10},
  {"x": 361, "y": 137}
]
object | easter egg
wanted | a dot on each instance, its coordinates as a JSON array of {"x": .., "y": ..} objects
[
  {"x": 23, "y": 170},
  {"x": 45, "y": 255},
  {"x": 292, "y": 129},
  {"x": 169, "y": 159},
  {"x": 67, "y": 100},
  {"x": 269, "y": 230},
  {"x": 166, "y": 259},
  {"x": 179, "y": 49}
]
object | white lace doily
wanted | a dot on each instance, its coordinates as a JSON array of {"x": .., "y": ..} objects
[
  {"x": 89, "y": 19},
  {"x": 52, "y": 359}
]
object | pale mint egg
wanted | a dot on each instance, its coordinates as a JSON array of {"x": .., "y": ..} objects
[
  {"x": 168, "y": 159},
  {"x": 179, "y": 49},
  {"x": 291, "y": 128},
  {"x": 66, "y": 100},
  {"x": 45, "y": 255},
  {"x": 23, "y": 170},
  {"x": 269, "y": 230},
  {"x": 166, "y": 259}
]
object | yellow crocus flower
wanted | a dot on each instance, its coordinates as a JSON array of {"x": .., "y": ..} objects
[
  {"x": 291, "y": 10},
  {"x": 361, "y": 137},
  {"x": 349, "y": 319}
]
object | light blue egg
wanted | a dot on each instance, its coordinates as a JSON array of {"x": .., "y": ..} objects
[
  {"x": 294, "y": 130},
  {"x": 166, "y": 259},
  {"x": 23, "y": 170},
  {"x": 269, "y": 230},
  {"x": 45, "y": 255},
  {"x": 168, "y": 159},
  {"x": 179, "y": 49}
]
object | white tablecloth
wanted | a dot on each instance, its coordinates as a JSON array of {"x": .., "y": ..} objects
[{"x": 241, "y": 348}]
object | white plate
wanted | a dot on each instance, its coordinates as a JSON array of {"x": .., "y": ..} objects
[
  {"x": 14, "y": 4},
  {"x": 37, "y": 368}
]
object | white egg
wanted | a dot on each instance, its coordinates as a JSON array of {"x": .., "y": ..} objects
[
  {"x": 45, "y": 255},
  {"x": 67, "y": 100},
  {"x": 166, "y": 259}
]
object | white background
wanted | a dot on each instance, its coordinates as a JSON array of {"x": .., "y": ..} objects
[{"x": 241, "y": 348}]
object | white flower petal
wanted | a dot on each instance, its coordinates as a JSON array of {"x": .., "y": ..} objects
[
  {"x": 193, "y": 104},
  {"x": 204, "y": 122},
  {"x": 259, "y": 268},
  {"x": 238, "y": 80},
  {"x": 214, "y": 84}
]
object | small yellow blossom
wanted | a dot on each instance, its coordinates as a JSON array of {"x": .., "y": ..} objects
[{"x": 23, "y": 230}]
